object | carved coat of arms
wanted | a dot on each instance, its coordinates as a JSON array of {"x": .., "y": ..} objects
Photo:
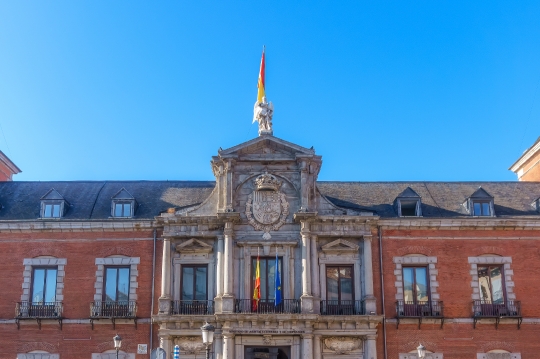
[{"x": 267, "y": 208}]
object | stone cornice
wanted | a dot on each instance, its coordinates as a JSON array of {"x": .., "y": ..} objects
[
  {"x": 463, "y": 223},
  {"x": 79, "y": 225}
]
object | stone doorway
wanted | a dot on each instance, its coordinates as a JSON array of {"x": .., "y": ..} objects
[{"x": 260, "y": 352}]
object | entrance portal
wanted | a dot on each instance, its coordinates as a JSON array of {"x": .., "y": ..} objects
[{"x": 267, "y": 352}]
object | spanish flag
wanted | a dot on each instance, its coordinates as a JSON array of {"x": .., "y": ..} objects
[
  {"x": 260, "y": 84},
  {"x": 257, "y": 289}
]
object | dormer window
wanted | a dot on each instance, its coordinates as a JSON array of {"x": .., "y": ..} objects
[
  {"x": 53, "y": 205},
  {"x": 480, "y": 203},
  {"x": 408, "y": 203},
  {"x": 123, "y": 204}
]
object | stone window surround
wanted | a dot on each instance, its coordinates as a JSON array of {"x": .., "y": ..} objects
[
  {"x": 38, "y": 356},
  {"x": 415, "y": 356},
  {"x": 498, "y": 356},
  {"x": 121, "y": 355},
  {"x": 117, "y": 261},
  {"x": 181, "y": 260},
  {"x": 348, "y": 259},
  {"x": 29, "y": 263},
  {"x": 508, "y": 273},
  {"x": 413, "y": 260}
]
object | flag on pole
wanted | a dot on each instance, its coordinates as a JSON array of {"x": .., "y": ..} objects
[
  {"x": 260, "y": 84},
  {"x": 277, "y": 294},
  {"x": 176, "y": 352},
  {"x": 257, "y": 289}
]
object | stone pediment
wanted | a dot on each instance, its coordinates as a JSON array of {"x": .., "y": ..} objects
[
  {"x": 194, "y": 246},
  {"x": 340, "y": 245},
  {"x": 267, "y": 146}
]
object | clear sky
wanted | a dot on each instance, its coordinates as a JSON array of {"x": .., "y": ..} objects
[{"x": 384, "y": 90}]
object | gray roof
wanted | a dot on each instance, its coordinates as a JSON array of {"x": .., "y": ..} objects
[{"x": 92, "y": 199}]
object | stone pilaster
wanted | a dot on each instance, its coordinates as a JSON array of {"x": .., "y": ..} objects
[
  {"x": 315, "y": 281},
  {"x": 370, "y": 351},
  {"x": 317, "y": 350},
  {"x": 227, "y": 300},
  {"x": 306, "y": 299},
  {"x": 307, "y": 346},
  {"x": 165, "y": 298},
  {"x": 369, "y": 299},
  {"x": 228, "y": 346}
]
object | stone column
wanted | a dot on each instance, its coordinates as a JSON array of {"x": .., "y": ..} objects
[
  {"x": 307, "y": 346},
  {"x": 165, "y": 343},
  {"x": 370, "y": 349},
  {"x": 227, "y": 302},
  {"x": 317, "y": 354},
  {"x": 218, "y": 346},
  {"x": 228, "y": 346},
  {"x": 369, "y": 298},
  {"x": 315, "y": 283},
  {"x": 165, "y": 298},
  {"x": 219, "y": 267},
  {"x": 306, "y": 298}
]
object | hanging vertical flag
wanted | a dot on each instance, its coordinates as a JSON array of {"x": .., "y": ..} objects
[
  {"x": 277, "y": 293},
  {"x": 176, "y": 352},
  {"x": 257, "y": 289},
  {"x": 260, "y": 84}
]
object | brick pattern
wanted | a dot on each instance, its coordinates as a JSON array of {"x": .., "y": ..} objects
[
  {"x": 113, "y": 356},
  {"x": 100, "y": 273},
  {"x": 420, "y": 261},
  {"x": 52, "y": 262},
  {"x": 508, "y": 274},
  {"x": 38, "y": 356}
]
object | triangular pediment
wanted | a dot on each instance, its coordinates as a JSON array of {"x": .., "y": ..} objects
[
  {"x": 194, "y": 246},
  {"x": 52, "y": 195},
  {"x": 481, "y": 193},
  {"x": 340, "y": 245},
  {"x": 267, "y": 145},
  {"x": 123, "y": 194},
  {"x": 408, "y": 193}
]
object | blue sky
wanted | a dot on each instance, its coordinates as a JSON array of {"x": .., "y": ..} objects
[{"x": 384, "y": 90}]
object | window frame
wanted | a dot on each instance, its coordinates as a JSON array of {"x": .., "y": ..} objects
[
  {"x": 123, "y": 202},
  {"x": 104, "y": 294},
  {"x": 417, "y": 209},
  {"x": 503, "y": 282},
  {"x": 46, "y": 203},
  {"x": 32, "y": 287},
  {"x": 253, "y": 269},
  {"x": 481, "y": 202},
  {"x": 202, "y": 265},
  {"x": 351, "y": 266},
  {"x": 428, "y": 283}
]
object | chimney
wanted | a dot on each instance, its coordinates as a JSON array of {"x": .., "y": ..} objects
[
  {"x": 7, "y": 168},
  {"x": 527, "y": 167}
]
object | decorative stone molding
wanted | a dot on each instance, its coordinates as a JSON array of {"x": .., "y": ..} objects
[
  {"x": 342, "y": 345},
  {"x": 113, "y": 356},
  {"x": 28, "y": 263},
  {"x": 38, "y": 356},
  {"x": 101, "y": 263},
  {"x": 430, "y": 262},
  {"x": 340, "y": 246},
  {"x": 487, "y": 260},
  {"x": 190, "y": 345},
  {"x": 415, "y": 356},
  {"x": 498, "y": 356},
  {"x": 194, "y": 245}
]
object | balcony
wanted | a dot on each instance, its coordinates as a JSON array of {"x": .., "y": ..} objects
[
  {"x": 192, "y": 307},
  {"x": 487, "y": 309},
  {"x": 342, "y": 307},
  {"x": 419, "y": 310},
  {"x": 287, "y": 306},
  {"x": 38, "y": 311},
  {"x": 113, "y": 311}
]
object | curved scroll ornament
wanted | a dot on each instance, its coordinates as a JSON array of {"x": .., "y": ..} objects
[
  {"x": 190, "y": 345},
  {"x": 266, "y": 207},
  {"x": 342, "y": 345}
]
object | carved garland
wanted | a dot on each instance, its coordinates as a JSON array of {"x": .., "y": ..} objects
[{"x": 190, "y": 345}]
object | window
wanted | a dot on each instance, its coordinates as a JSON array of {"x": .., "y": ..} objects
[
  {"x": 481, "y": 208},
  {"x": 415, "y": 285},
  {"x": 194, "y": 282},
  {"x": 116, "y": 284},
  {"x": 409, "y": 208},
  {"x": 53, "y": 205},
  {"x": 339, "y": 283},
  {"x": 490, "y": 282},
  {"x": 44, "y": 285},
  {"x": 268, "y": 276},
  {"x": 122, "y": 209},
  {"x": 51, "y": 210}
]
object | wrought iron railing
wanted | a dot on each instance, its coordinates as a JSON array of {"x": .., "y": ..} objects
[
  {"x": 267, "y": 306},
  {"x": 425, "y": 309},
  {"x": 192, "y": 307},
  {"x": 342, "y": 307},
  {"x": 123, "y": 309},
  {"x": 487, "y": 309},
  {"x": 45, "y": 310}
]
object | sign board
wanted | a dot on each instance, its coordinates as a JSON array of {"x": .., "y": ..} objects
[
  {"x": 158, "y": 354},
  {"x": 142, "y": 348}
]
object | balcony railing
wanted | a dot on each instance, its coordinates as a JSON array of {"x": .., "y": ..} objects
[
  {"x": 124, "y": 309},
  {"x": 419, "y": 310},
  {"x": 342, "y": 307},
  {"x": 267, "y": 306},
  {"x": 192, "y": 307},
  {"x": 487, "y": 309},
  {"x": 38, "y": 311}
]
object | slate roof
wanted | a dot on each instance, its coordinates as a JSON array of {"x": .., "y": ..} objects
[{"x": 91, "y": 200}]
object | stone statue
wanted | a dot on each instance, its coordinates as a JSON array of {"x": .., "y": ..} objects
[{"x": 262, "y": 113}]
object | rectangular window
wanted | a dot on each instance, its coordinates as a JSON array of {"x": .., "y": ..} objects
[
  {"x": 116, "y": 284},
  {"x": 51, "y": 210},
  {"x": 339, "y": 283},
  {"x": 409, "y": 208},
  {"x": 44, "y": 285},
  {"x": 481, "y": 208},
  {"x": 122, "y": 209},
  {"x": 415, "y": 285},
  {"x": 194, "y": 282},
  {"x": 491, "y": 283},
  {"x": 268, "y": 276}
]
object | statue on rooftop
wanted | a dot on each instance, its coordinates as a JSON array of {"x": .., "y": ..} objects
[{"x": 262, "y": 113}]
